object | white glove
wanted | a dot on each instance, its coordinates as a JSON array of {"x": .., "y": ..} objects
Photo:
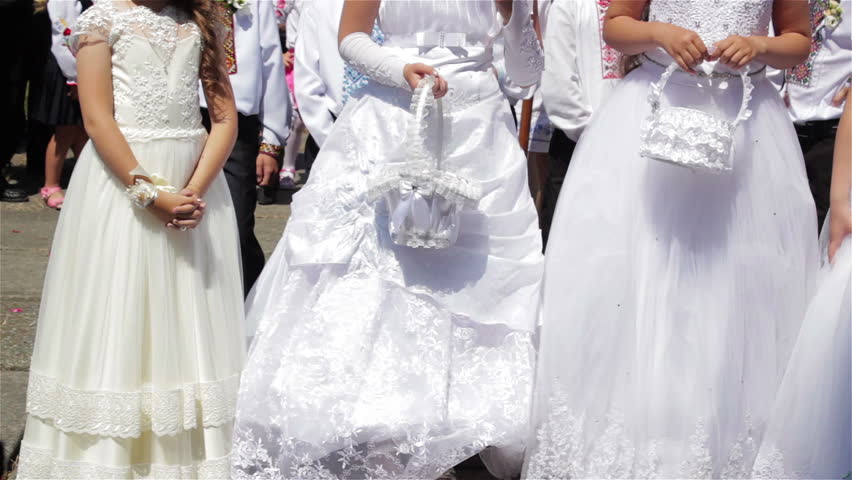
[
  {"x": 524, "y": 57},
  {"x": 378, "y": 63}
]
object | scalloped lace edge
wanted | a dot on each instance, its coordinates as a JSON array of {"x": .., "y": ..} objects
[
  {"x": 128, "y": 414},
  {"x": 39, "y": 463}
]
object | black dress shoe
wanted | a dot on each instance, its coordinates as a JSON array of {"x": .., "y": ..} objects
[
  {"x": 13, "y": 194},
  {"x": 266, "y": 195}
]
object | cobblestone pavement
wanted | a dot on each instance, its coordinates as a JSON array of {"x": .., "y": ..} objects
[{"x": 26, "y": 232}]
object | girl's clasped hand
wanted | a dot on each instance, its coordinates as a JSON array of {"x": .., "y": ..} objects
[
  {"x": 689, "y": 51},
  {"x": 183, "y": 210}
]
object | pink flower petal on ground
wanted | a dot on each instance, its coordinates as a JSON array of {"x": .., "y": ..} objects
[{"x": 16, "y": 310}]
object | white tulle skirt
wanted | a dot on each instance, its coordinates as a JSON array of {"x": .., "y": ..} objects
[
  {"x": 672, "y": 298},
  {"x": 140, "y": 336},
  {"x": 810, "y": 431},
  {"x": 374, "y": 360}
]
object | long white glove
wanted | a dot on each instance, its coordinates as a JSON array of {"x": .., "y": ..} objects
[
  {"x": 378, "y": 63},
  {"x": 524, "y": 57}
]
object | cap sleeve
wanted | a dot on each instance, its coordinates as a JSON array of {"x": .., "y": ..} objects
[{"x": 93, "y": 26}]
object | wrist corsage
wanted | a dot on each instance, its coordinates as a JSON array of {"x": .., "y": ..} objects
[{"x": 147, "y": 187}]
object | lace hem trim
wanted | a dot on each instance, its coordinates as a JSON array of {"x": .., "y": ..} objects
[
  {"x": 128, "y": 414},
  {"x": 39, "y": 463},
  {"x": 564, "y": 448},
  {"x": 133, "y": 134}
]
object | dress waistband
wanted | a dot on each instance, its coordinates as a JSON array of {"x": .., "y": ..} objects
[
  {"x": 136, "y": 134},
  {"x": 432, "y": 40},
  {"x": 758, "y": 73}
]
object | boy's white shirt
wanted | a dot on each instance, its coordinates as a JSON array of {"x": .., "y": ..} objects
[
  {"x": 260, "y": 84},
  {"x": 63, "y": 14},
  {"x": 573, "y": 83},
  {"x": 319, "y": 69}
]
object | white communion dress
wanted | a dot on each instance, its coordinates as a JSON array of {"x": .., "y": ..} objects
[
  {"x": 810, "y": 432},
  {"x": 140, "y": 334},
  {"x": 374, "y": 360},
  {"x": 673, "y": 296}
]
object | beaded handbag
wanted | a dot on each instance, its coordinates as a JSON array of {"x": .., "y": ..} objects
[
  {"x": 423, "y": 200},
  {"x": 688, "y": 137}
]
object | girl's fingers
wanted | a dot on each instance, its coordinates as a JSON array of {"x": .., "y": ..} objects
[
  {"x": 683, "y": 64},
  {"x": 702, "y": 49},
  {"x": 440, "y": 88},
  {"x": 695, "y": 53},
  {"x": 833, "y": 246},
  {"x": 719, "y": 49},
  {"x": 191, "y": 223},
  {"x": 841, "y": 94},
  {"x": 185, "y": 209},
  {"x": 726, "y": 56},
  {"x": 735, "y": 58}
]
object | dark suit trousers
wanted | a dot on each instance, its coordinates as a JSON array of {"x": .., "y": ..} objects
[
  {"x": 817, "y": 141},
  {"x": 240, "y": 173}
]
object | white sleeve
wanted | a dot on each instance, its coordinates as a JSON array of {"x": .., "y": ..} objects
[
  {"x": 565, "y": 99},
  {"x": 524, "y": 58},
  {"x": 312, "y": 90},
  {"x": 63, "y": 14},
  {"x": 294, "y": 10},
  {"x": 275, "y": 109},
  {"x": 378, "y": 63}
]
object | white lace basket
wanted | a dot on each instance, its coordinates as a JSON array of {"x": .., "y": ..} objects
[
  {"x": 688, "y": 137},
  {"x": 423, "y": 200}
]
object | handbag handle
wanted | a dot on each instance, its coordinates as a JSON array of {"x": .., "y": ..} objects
[{"x": 743, "y": 114}]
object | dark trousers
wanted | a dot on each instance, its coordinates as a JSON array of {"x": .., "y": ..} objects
[
  {"x": 311, "y": 153},
  {"x": 240, "y": 172},
  {"x": 561, "y": 151},
  {"x": 817, "y": 141},
  {"x": 14, "y": 21}
]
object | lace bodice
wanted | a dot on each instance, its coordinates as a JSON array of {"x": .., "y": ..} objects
[
  {"x": 155, "y": 64},
  {"x": 713, "y": 20}
]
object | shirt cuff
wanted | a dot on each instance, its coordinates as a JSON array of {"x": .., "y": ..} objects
[{"x": 274, "y": 151}]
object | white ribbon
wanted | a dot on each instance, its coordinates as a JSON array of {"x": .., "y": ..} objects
[{"x": 413, "y": 205}]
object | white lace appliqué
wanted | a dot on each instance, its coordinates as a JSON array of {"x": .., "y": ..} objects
[
  {"x": 128, "y": 414},
  {"x": 564, "y": 450},
  {"x": 38, "y": 463},
  {"x": 715, "y": 20},
  {"x": 155, "y": 79}
]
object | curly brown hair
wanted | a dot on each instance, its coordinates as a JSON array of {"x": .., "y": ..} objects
[{"x": 208, "y": 14}]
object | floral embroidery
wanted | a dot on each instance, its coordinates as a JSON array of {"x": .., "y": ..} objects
[
  {"x": 128, "y": 414},
  {"x": 803, "y": 73},
  {"x": 715, "y": 20},
  {"x": 564, "y": 450},
  {"x": 39, "y": 463},
  {"x": 228, "y": 43},
  {"x": 353, "y": 80},
  {"x": 610, "y": 57},
  {"x": 162, "y": 95},
  {"x": 274, "y": 151},
  {"x": 531, "y": 48}
]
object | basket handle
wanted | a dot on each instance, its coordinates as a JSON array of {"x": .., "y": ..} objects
[
  {"x": 422, "y": 101},
  {"x": 743, "y": 114}
]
